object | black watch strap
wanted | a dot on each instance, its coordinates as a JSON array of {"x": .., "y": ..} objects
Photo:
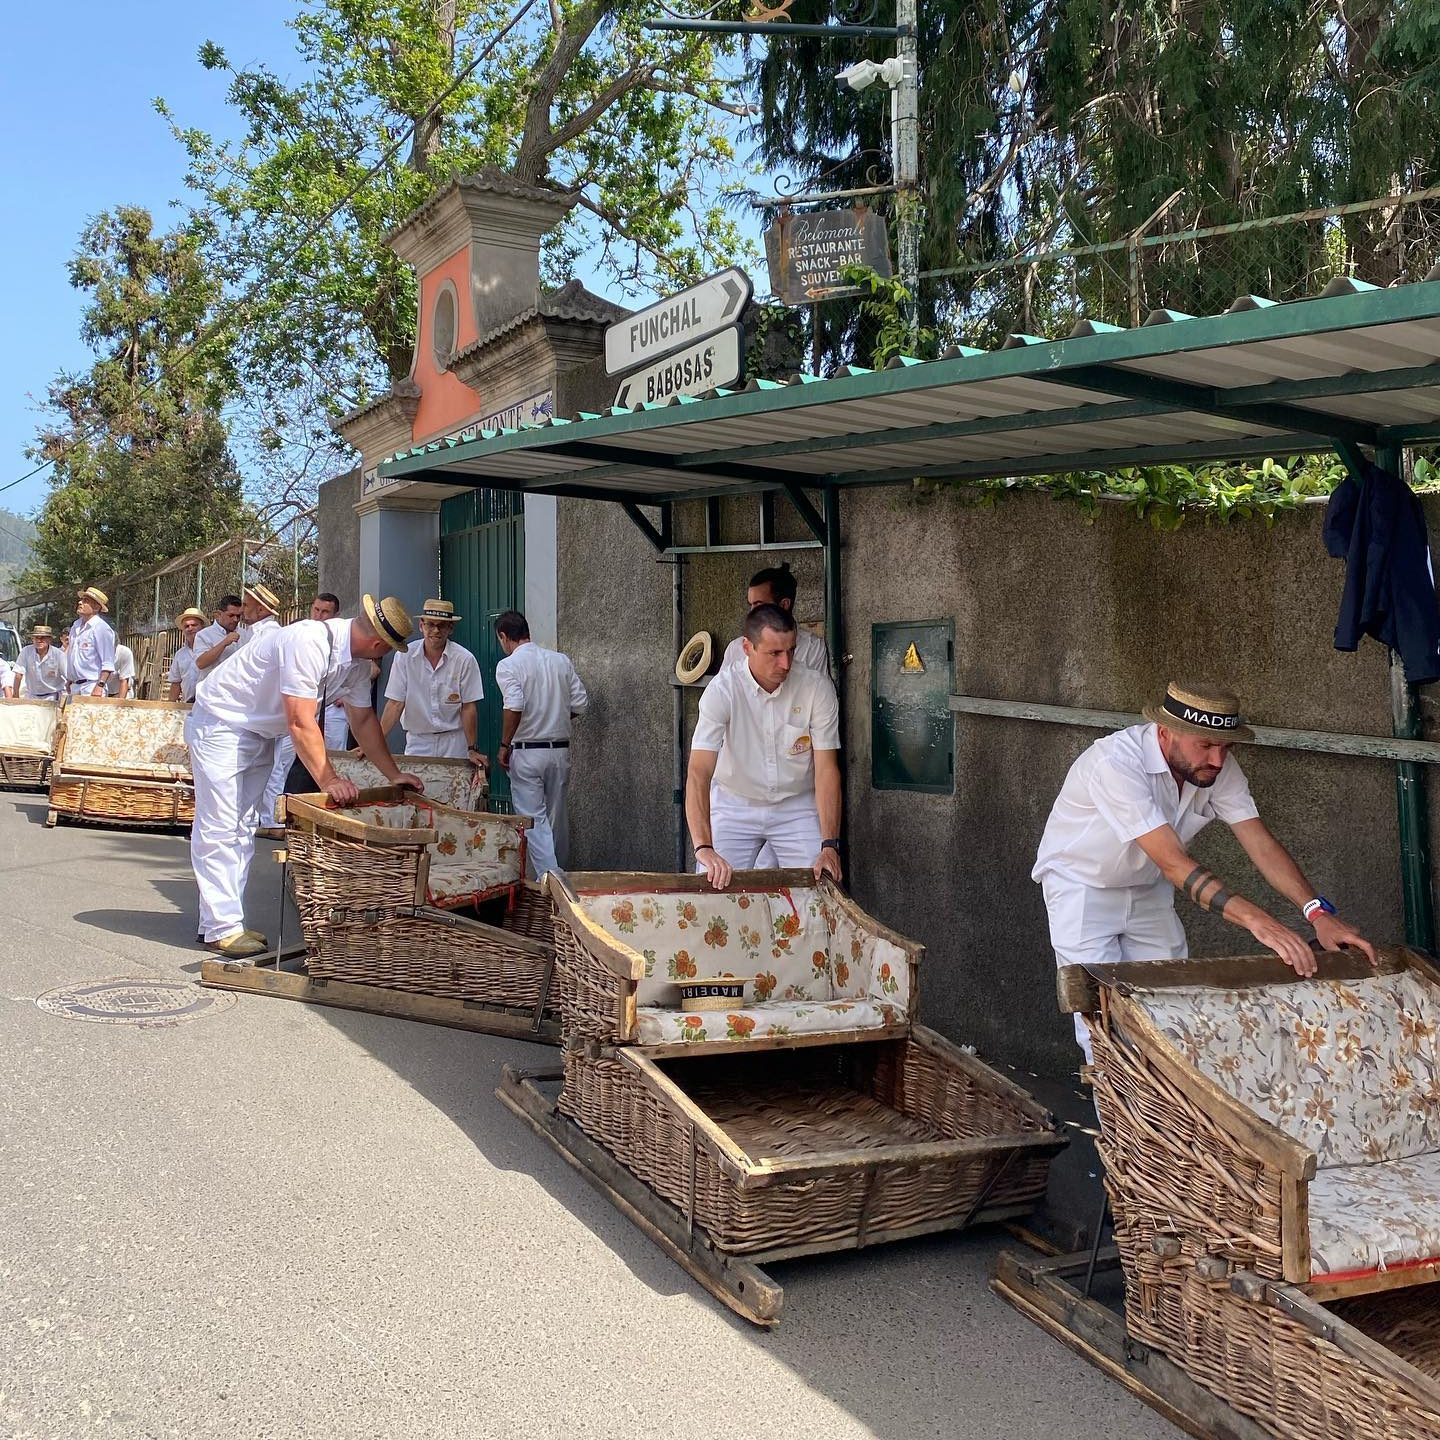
[{"x": 829, "y": 844}]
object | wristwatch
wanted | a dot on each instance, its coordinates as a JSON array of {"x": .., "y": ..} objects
[
  {"x": 830, "y": 844},
  {"x": 1318, "y": 906}
]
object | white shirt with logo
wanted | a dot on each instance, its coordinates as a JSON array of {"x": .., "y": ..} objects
[
  {"x": 1122, "y": 788},
  {"x": 92, "y": 649},
  {"x": 433, "y": 694},
  {"x": 767, "y": 739},
  {"x": 183, "y": 670},
  {"x": 44, "y": 676},
  {"x": 300, "y": 660}
]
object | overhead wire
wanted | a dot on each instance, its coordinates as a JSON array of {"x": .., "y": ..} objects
[{"x": 230, "y": 313}]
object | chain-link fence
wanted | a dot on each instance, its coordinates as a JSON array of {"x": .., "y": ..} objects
[
  {"x": 145, "y": 605},
  {"x": 1196, "y": 270}
]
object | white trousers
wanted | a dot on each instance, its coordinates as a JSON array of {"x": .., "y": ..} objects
[
  {"x": 538, "y": 780},
  {"x": 1093, "y": 926},
  {"x": 336, "y": 727},
  {"x": 741, "y": 829},
  {"x": 230, "y": 768},
  {"x": 447, "y": 743}
]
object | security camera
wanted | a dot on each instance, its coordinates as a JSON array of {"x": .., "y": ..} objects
[{"x": 864, "y": 73}]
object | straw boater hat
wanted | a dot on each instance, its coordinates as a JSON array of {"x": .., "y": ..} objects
[
  {"x": 390, "y": 619},
  {"x": 265, "y": 596},
  {"x": 192, "y": 614},
  {"x": 1200, "y": 710},
  {"x": 99, "y": 597},
  {"x": 440, "y": 610},
  {"x": 42, "y": 630}
]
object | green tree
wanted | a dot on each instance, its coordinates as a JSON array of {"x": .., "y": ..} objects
[
  {"x": 142, "y": 469},
  {"x": 573, "y": 94}
]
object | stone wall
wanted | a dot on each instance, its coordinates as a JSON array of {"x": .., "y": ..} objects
[
  {"x": 339, "y": 530},
  {"x": 1049, "y": 605}
]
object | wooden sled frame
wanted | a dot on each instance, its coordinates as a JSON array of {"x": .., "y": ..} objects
[{"x": 27, "y": 767}]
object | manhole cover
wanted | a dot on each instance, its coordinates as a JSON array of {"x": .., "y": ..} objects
[{"x": 147, "y": 1002}]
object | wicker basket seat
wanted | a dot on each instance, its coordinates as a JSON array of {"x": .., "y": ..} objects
[
  {"x": 1272, "y": 1156},
  {"x": 812, "y": 1116},
  {"x": 27, "y": 741},
  {"x": 375, "y": 885},
  {"x": 122, "y": 762},
  {"x": 809, "y": 963},
  {"x": 456, "y": 783}
]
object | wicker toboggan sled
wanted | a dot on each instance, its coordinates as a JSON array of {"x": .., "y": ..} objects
[
  {"x": 812, "y": 1115},
  {"x": 27, "y": 742}
]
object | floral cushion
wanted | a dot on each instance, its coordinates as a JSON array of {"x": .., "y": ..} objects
[
  {"x": 468, "y": 883},
  {"x": 1350, "y": 1069},
  {"x": 1373, "y": 1217},
  {"x": 868, "y": 965},
  {"x": 27, "y": 726},
  {"x": 779, "y": 941},
  {"x": 120, "y": 737},
  {"x": 757, "y": 1022},
  {"x": 445, "y": 781}
]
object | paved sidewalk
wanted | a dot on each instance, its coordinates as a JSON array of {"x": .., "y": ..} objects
[{"x": 279, "y": 1220}]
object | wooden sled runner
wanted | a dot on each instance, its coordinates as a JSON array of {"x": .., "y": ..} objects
[
  {"x": 813, "y": 1115},
  {"x": 377, "y": 885},
  {"x": 1272, "y": 1153},
  {"x": 27, "y": 742},
  {"x": 122, "y": 762}
]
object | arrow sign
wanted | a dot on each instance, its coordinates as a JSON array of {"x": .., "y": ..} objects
[
  {"x": 691, "y": 371},
  {"x": 714, "y": 303}
]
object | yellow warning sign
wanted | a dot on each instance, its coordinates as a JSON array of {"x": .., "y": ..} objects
[{"x": 912, "y": 664}]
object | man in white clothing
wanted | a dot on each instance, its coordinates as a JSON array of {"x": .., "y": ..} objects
[
  {"x": 259, "y": 612},
  {"x": 1116, "y": 845},
  {"x": 218, "y": 640},
  {"x": 434, "y": 688},
  {"x": 8, "y": 678},
  {"x": 40, "y": 668},
  {"x": 121, "y": 685},
  {"x": 183, "y": 674},
  {"x": 324, "y": 606},
  {"x": 90, "y": 659},
  {"x": 273, "y": 686},
  {"x": 776, "y": 586},
  {"x": 541, "y": 693},
  {"x": 765, "y": 760}
]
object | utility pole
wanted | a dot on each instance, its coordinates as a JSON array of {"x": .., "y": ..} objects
[{"x": 905, "y": 158}]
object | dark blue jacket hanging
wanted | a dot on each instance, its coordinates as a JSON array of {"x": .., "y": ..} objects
[{"x": 1378, "y": 529}]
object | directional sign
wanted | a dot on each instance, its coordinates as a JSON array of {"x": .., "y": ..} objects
[
  {"x": 807, "y": 253},
  {"x": 681, "y": 320},
  {"x": 691, "y": 371}
]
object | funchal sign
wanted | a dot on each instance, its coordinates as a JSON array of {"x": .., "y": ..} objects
[{"x": 683, "y": 345}]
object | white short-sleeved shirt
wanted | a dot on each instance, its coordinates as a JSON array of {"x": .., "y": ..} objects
[
  {"x": 264, "y": 623},
  {"x": 1119, "y": 789},
  {"x": 767, "y": 740},
  {"x": 543, "y": 686},
  {"x": 92, "y": 649},
  {"x": 433, "y": 695},
  {"x": 300, "y": 660},
  {"x": 124, "y": 670},
  {"x": 811, "y": 652},
  {"x": 45, "y": 677},
  {"x": 208, "y": 639},
  {"x": 183, "y": 670}
]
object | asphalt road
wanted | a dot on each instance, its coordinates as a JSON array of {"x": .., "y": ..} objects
[{"x": 279, "y": 1220}]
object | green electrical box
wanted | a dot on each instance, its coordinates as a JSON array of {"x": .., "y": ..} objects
[{"x": 912, "y": 732}]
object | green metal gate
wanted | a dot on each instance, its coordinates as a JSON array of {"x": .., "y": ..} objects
[{"x": 482, "y": 570}]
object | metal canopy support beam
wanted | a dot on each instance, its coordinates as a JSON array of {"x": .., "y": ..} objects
[
  {"x": 659, "y": 537},
  {"x": 1210, "y": 400},
  {"x": 815, "y": 522}
]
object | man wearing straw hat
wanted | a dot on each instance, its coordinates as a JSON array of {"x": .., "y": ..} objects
[
  {"x": 259, "y": 612},
  {"x": 183, "y": 674},
  {"x": 90, "y": 659},
  {"x": 1115, "y": 849},
  {"x": 275, "y": 685},
  {"x": 40, "y": 667},
  {"x": 433, "y": 690}
]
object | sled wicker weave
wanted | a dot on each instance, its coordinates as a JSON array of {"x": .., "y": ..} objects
[
  {"x": 783, "y": 1144},
  {"x": 27, "y": 742},
  {"x": 366, "y": 919}
]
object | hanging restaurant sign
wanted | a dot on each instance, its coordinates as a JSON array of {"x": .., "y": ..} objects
[{"x": 808, "y": 252}]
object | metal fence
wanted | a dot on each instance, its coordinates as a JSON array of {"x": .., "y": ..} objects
[
  {"x": 1197, "y": 270},
  {"x": 145, "y": 605}
]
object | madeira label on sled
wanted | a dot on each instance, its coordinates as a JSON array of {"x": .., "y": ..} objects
[{"x": 691, "y": 371}]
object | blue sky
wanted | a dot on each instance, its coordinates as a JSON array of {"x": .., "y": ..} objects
[{"x": 76, "y": 85}]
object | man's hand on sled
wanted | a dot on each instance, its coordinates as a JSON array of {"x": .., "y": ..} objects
[
  {"x": 1333, "y": 933},
  {"x": 718, "y": 870}
]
